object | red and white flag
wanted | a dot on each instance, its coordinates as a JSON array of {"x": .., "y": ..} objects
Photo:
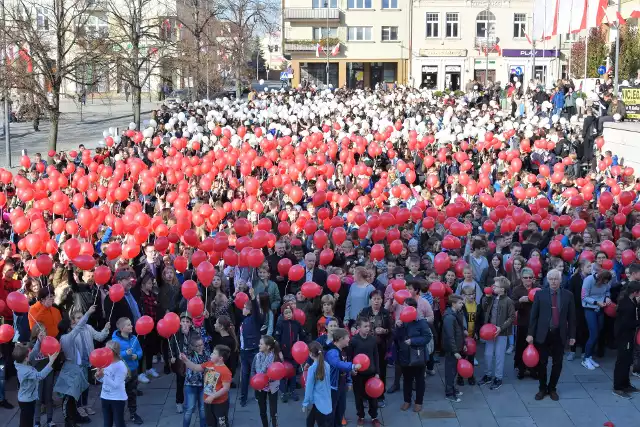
[
  {"x": 621, "y": 20},
  {"x": 528, "y": 38},
  {"x": 319, "y": 50},
  {"x": 336, "y": 49},
  {"x": 635, "y": 14}
]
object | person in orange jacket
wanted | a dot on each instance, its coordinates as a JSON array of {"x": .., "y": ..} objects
[{"x": 44, "y": 312}]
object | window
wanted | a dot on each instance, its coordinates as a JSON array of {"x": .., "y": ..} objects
[
  {"x": 389, "y": 4},
  {"x": 97, "y": 26},
  {"x": 570, "y": 37},
  {"x": 485, "y": 24},
  {"x": 42, "y": 21},
  {"x": 389, "y": 34},
  {"x": 360, "y": 34},
  {"x": 519, "y": 25},
  {"x": 433, "y": 21},
  {"x": 320, "y": 33},
  {"x": 452, "y": 25},
  {"x": 323, "y": 4},
  {"x": 360, "y": 4}
]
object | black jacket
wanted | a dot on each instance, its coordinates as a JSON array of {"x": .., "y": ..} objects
[
  {"x": 541, "y": 316},
  {"x": 420, "y": 334},
  {"x": 453, "y": 331},
  {"x": 381, "y": 320},
  {"x": 366, "y": 346},
  {"x": 121, "y": 308},
  {"x": 319, "y": 277},
  {"x": 627, "y": 321},
  {"x": 287, "y": 333}
]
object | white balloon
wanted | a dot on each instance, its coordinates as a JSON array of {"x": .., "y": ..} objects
[
  {"x": 261, "y": 82},
  {"x": 132, "y": 126}
]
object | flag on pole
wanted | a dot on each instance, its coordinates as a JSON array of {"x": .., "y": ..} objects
[
  {"x": 621, "y": 20},
  {"x": 319, "y": 50},
  {"x": 635, "y": 14},
  {"x": 528, "y": 38},
  {"x": 336, "y": 49}
]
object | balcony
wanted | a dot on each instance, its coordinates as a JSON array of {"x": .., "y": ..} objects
[
  {"x": 296, "y": 46},
  {"x": 482, "y": 42},
  {"x": 301, "y": 14}
]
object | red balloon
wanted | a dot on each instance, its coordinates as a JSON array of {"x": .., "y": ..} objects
[
  {"x": 488, "y": 332},
  {"x": 144, "y": 325},
  {"x": 437, "y": 289},
  {"x": 362, "y": 360},
  {"x": 530, "y": 356},
  {"x": 101, "y": 357},
  {"x": 310, "y": 290},
  {"x": 401, "y": 295},
  {"x": 259, "y": 381},
  {"x": 101, "y": 275},
  {"x": 116, "y": 292},
  {"x": 205, "y": 273},
  {"x": 276, "y": 371},
  {"x": 555, "y": 248},
  {"x": 84, "y": 262},
  {"x": 488, "y": 290},
  {"x": 195, "y": 307},
  {"x": 471, "y": 345},
  {"x": 299, "y": 316},
  {"x": 465, "y": 368},
  {"x": 49, "y": 346},
  {"x": 18, "y": 302},
  {"x": 6, "y": 333},
  {"x": 609, "y": 248},
  {"x": 300, "y": 352},
  {"x": 628, "y": 257},
  {"x": 334, "y": 283},
  {"x": 44, "y": 263},
  {"x": 611, "y": 310},
  {"x": 180, "y": 264},
  {"x": 568, "y": 254},
  {"x": 189, "y": 289},
  {"x": 374, "y": 387},
  {"x": 241, "y": 300},
  {"x": 283, "y": 266},
  {"x": 441, "y": 263},
  {"x": 532, "y": 293},
  {"x": 296, "y": 273},
  {"x": 408, "y": 314},
  {"x": 163, "y": 328}
]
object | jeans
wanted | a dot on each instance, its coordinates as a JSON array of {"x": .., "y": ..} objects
[
  {"x": 27, "y": 410},
  {"x": 193, "y": 396},
  {"x": 113, "y": 412},
  {"x": 288, "y": 385},
  {"x": 179, "y": 389},
  {"x": 450, "y": 371},
  {"x": 497, "y": 347},
  {"x": 45, "y": 396},
  {"x": 595, "y": 321},
  {"x": 314, "y": 416},
  {"x": 338, "y": 405},
  {"x": 411, "y": 373},
  {"x": 246, "y": 358},
  {"x": 262, "y": 404}
]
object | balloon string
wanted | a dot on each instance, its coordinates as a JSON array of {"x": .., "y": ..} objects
[
  {"x": 176, "y": 340},
  {"x": 112, "y": 305},
  {"x": 170, "y": 351},
  {"x": 95, "y": 301}
]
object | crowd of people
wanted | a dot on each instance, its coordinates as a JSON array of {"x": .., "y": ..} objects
[{"x": 384, "y": 229}]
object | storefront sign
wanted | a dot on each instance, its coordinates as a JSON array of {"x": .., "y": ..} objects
[
  {"x": 429, "y": 69},
  {"x": 479, "y": 63},
  {"x": 443, "y": 52},
  {"x": 527, "y": 53},
  {"x": 452, "y": 69},
  {"x": 631, "y": 99}
]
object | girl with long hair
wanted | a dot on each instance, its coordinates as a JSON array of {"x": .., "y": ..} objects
[
  {"x": 269, "y": 352},
  {"x": 227, "y": 336},
  {"x": 317, "y": 394}
]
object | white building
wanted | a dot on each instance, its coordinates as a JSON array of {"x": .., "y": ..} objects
[
  {"x": 270, "y": 50},
  {"x": 458, "y": 40}
]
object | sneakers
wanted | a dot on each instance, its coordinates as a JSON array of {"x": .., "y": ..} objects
[
  {"x": 243, "y": 403},
  {"x": 460, "y": 380},
  {"x": 594, "y": 363},
  {"x": 510, "y": 350},
  {"x": 344, "y": 421},
  {"x": 496, "y": 384},
  {"x": 636, "y": 374},
  {"x": 431, "y": 372},
  {"x": 154, "y": 360},
  {"x": 621, "y": 394},
  {"x": 285, "y": 397},
  {"x": 381, "y": 403},
  {"x": 485, "y": 380},
  {"x": 520, "y": 375},
  {"x": 376, "y": 423},
  {"x": 587, "y": 364},
  {"x": 5, "y": 404},
  {"x": 458, "y": 393},
  {"x": 475, "y": 362},
  {"x": 143, "y": 379},
  {"x": 81, "y": 411},
  {"x": 89, "y": 411},
  {"x": 360, "y": 422},
  {"x": 153, "y": 373},
  {"x": 571, "y": 356},
  {"x": 632, "y": 389},
  {"x": 135, "y": 418},
  {"x": 179, "y": 408},
  {"x": 453, "y": 398},
  {"x": 51, "y": 424},
  {"x": 472, "y": 381},
  {"x": 294, "y": 397}
]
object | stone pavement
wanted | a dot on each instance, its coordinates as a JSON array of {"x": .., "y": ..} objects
[
  {"x": 97, "y": 116},
  {"x": 585, "y": 401}
]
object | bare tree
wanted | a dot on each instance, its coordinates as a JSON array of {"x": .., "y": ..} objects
[
  {"x": 141, "y": 35},
  {"x": 53, "y": 50},
  {"x": 198, "y": 19},
  {"x": 244, "y": 19}
]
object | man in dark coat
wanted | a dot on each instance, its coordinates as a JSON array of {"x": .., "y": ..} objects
[{"x": 128, "y": 306}]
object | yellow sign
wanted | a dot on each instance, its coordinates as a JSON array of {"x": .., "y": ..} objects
[{"x": 631, "y": 99}]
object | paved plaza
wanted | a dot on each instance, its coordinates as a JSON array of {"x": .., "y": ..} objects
[{"x": 585, "y": 401}]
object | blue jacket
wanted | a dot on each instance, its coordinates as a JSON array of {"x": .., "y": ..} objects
[
  {"x": 126, "y": 344},
  {"x": 318, "y": 393},
  {"x": 250, "y": 328},
  {"x": 339, "y": 368},
  {"x": 420, "y": 334},
  {"x": 558, "y": 100}
]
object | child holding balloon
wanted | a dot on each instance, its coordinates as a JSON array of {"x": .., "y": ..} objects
[
  {"x": 363, "y": 347},
  {"x": 113, "y": 394},
  {"x": 289, "y": 331},
  {"x": 453, "y": 344},
  {"x": 269, "y": 352},
  {"x": 29, "y": 378},
  {"x": 131, "y": 353}
]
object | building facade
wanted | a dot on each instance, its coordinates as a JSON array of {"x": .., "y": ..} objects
[
  {"x": 368, "y": 39},
  {"x": 455, "y": 41}
]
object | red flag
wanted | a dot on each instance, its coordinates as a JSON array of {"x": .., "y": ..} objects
[
  {"x": 319, "y": 50},
  {"x": 621, "y": 20},
  {"x": 336, "y": 49},
  {"x": 528, "y": 38},
  {"x": 635, "y": 14}
]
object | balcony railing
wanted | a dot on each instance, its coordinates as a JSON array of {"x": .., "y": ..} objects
[
  {"x": 482, "y": 42},
  {"x": 309, "y": 14},
  {"x": 309, "y": 45}
]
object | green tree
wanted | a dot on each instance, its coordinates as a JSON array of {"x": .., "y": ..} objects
[
  {"x": 629, "y": 52},
  {"x": 597, "y": 51}
]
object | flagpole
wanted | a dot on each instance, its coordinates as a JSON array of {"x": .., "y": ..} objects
[
  {"x": 326, "y": 48},
  {"x": 5, "y": 91},
  {"x": 615, "y": 79},
  {"x": 586, "y": 48}
]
